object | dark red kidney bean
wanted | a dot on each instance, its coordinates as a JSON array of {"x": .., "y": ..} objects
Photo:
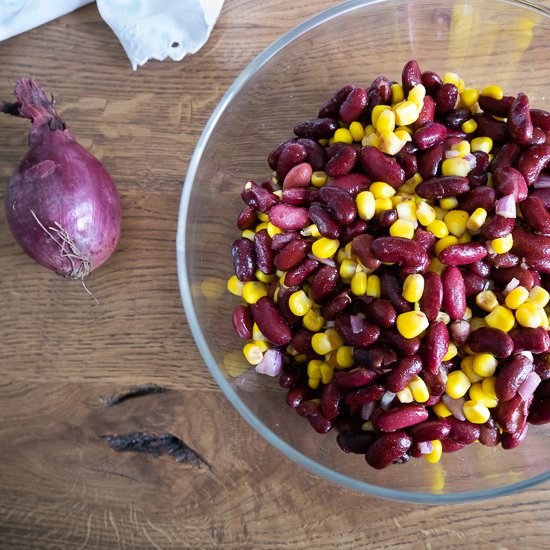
[
  {"x": 459, "y": 331},
  {"x": 273, "y": 156},
  {"x": 270, "y": 322},
  {"x": 387, "y": 449},
  {"x": 292, "y": 154},
  {"x": 427, "y": 113},
  {"x": 496, "y": 107},
  {"x": 351, "y": 183},
  {"x": 331, "y": 398},
  {"x": 283, "y": 297},
  {"x": 257, "y": 197},
  {"x": 319, "y": 422},
  {"x": 315, "y": 128},
  {"x": 445, "y": 97},
  {"x": 509, "y": 181},
  {"x": 247, "y": 218},
  {"x": 410, "y": 76},
  {"x": 336, "y": 305},
  {"x": 478, "y": 175},
  {"x": 430, "y": 430},
  {"x": 512, "y": 415},
  {"x": 497, "y": 226},
  {"x": 380, "y": 167},
  {"x": 298, "y": 176},
  {"x": 432, "y": 81},
  {"x": 381, "y": 313},
  {"x": 490, "y": 127},
  {"x": 519, "y": 122},
  {"x": 375, "y": 98},
  {"x": 536, "y": 215},
  {"x": 325, "y": 223},
  {"x": 456, "y": 117},
  {"x": 354, "y": 106},
  {"x": 507, "y": 156},
  {"x": 436, "y": 345},
  {"x": 408, "y": 162},
  {"x": 539, "y": 137},
  {"x": 541, "y": 119},
  {"x": 264, "y": 252},
  {"x": 463, "y": 253},
  {"x": 285, "y": 216},
  {"x": 429, "y": 161},
  {"x": 405, "y": 346},
  {"x": 383, "y": 86},
  {"x": 355, "y": 441},
  {"x": 332, "y": 107},
  {"x": 535, "y": 340},
  {"x": 456, "y": 134},
  {"x": 354, "y": 229},
  {"x": 377, "y": 358},
  {"x": 535, "y": 249},
  {"x": 386, "y": 218},
  {"x": 403, "y": 252},
  {"x": 489, "y": 434},
  {"x": 280, "y": 240},
  {"x": 307, "y": 407},
  {"x": 432, "y": 297},
  {"x": 502, "y": 261},
  {"x": 425, "y": 239},
  {"x": 533, "y": 161},
  {"x": 463, "y": 431},
  {"x": 401, "y": 417},
  {"x": 511, "y": 441},
  {"x": 542, "y": 368},
  {"x": 511, "y": 376},
  {"x": 436, "y": 382},
  {"x": 316, "y": 155},
  {"x": 297, "y": 395},
  {"x": 401, "y": 374},
  {"x": 366, "y": 394},
  {"x": 450, "y": 446},
  {"x": 355, "y": 378},
  {"x": 483, "y": 269},
  {"x": 491, "y": 340},
  {"x": 477, "y": 197},
  {"x": 244, "y": 260},
  {"x": 502, "y": 277},
  {"x": 340, "y": 204},
  {"x": 443, "y": 186},
  {"x": 429, "y": 135},
  {"x": 242, "y": 322},
  {"x": 299, "y": 196},
  {"x": 454, "y": 292},
  {"x": 473, "y": 283},
  {"x": 392, "y": 291},
  {"x": 301, "y": 341},
  {"x": 361, "y": 249},
  {"x": 341, "y": 159},
  {"x": 299, "y": 274},
  {"x": 290, "y": 377},
  {"x": 324, "y": 283},
  {"x": 292, "y": 254},
  {"x": 368, "y": 334},
  {"x": 539, "y": 413}
]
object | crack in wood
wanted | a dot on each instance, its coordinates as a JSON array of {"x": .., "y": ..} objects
[
  {"x": 119, "y": 474},
  {"x": 138, "y": 391}
]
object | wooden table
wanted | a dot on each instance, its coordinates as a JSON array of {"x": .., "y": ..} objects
[{"x": 64, "y": 357}]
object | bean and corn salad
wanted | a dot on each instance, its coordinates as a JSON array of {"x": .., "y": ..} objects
[{"x": 394, "y": 268}]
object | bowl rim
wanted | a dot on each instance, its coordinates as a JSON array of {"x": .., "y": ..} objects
[{"x": 261, "y": 428}]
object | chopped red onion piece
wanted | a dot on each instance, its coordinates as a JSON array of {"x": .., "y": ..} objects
[
  {"x": 454, "y": 405},
  {"x": 367, "y": 409},
  {"x": 471, "y": 159},
  {"x": 387, "y": 400},
  {"x": 510, "y": 286},
  {"x": 542, "y": 183},
  {"x": 506, "y": 207},
  {"x": 326, "y": 261},
  {"x": 357, "y": 323},
  {"x": 271, "y": 364},
  {"x": 527, "y": 354},
  {"x": 529, "y": 385},
  {"x": 425, "y": 447}
]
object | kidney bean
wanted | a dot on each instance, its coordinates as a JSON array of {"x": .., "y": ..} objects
[
  {"x": 316, "y": 155},
  {"x": 402, "y": 416},
  {"x": 456, "y": 134},
  {"x": 463, "y": 253},
  {"x": 497, "y": 226},
  {"x": 481, "y": 268},
  {"x": 300, "y": 273},
  {"x": 355, "y": 228},
  {"x": 341, "y": 159},
  {"x": 368, "y": 334},
  {"x": 430, "y": 430},
  {"x": 381, "y": 313},
  {"x": 386, "y": 218},
  {"x": 380, "y": 167},
  {"x": 507, "y": 156},
  {"x": 539, "y": 137},
  {"x": 478, "y": 197},
  {"x": 541, "y": 119},
  {"x": 242, "y": 322},
  {"x": 496, "y": 107},
  {"x": 387, "y": 449},
  {"x": 290, "y": 377},
  {"x": 361, "y": 249},
  {"x": 244, "y": 260},
  {"x": 535, "y": 214},
  {"x": 443, "y": 186},
  {"x": 298, "y": 176},
  {"x": 450, "y": 446},
  {"x": 508, "y": 181},
  {"x": 454, "y": 292},
  {"x": 429, "y": 161},
  {"x": 366, "y": 394},
  {"x": 535, "y": 249},
  {"x": 264, "y": 252},
  {"x": 247, "y": 218},
  {"x": 324, "y": 283},
  {"x": 355, "y": 378},
  {"x": 502, "y": 277},
  {"x": 336, "y": 305},
  {"x": 375, "y": 98},
  {"x": 456, "y": 117},
  {"x": 355, "y": 441},
  {"x": 340, "y": 204},
  {"x": 351, "y": 183},
  {"x": 270, "y": 322},
  {"x": 257, "y": 197},
  {"x": 292, "y": 254},
  {"x": 459, "y": 331},
  {"x": 511, "y": 376},
  {"x": 491, "y": 340},
  {"x": 392, "y": 291},
  {"x": 489, "y": 434},
  {"x": 331, "y": 397},
  {"x": 405, "y": 346},
  {"x": 502, "y": 261},
  {"x": 519, "y": 122},
  {"x": 410, "y": 76},
  {"x": 286, "y": 216},
  {"x": 273, "y": 156},
  {"x": 297, "y": 395},
  {"x": 425, "y": 239},
  {"x": 283, "y": 297},
  {"x": 325, "y": 223},
  {"x": 354, "y": 106},
  {"x": 432, "y": 297},
  {"x": 535, "y": 340},
  {"x": 332, "y": 107},
  {"x": 463, "y": 431},
  {"x": 539, "y": 413},
  {"x": 401, "y": 374},
  {"x": 478, "y": 175},
  {"x": 429, "y": 134},
  {"x": 533, "y": 161},
  {"x": 445, "y": 97},
  {"x": 432, "y": 81},
  {"x": 490, "y": 127},
  {"x": 436, "y": 345},
  {"x": 511, "y": 441},
  {"x": 280, "y": 240},
  {"x": 301, "y": 341},
  {"x": 315, "y": 128},
  {"x": 512, "y": 415},
  {"x": 427, "y": 113},
  {"x": 319, "y": 422},
  {"x": 403, "y": 252},
  {"x": 408, "y": 162},
  {"x": 542, "y": 368},
  {"x": 474, "y": 284},
  {"x": 292, "y": 154},
  {"x": 376, "y": 357}
]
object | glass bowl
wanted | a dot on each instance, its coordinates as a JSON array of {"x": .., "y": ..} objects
[{"x": 490, "y": 42}]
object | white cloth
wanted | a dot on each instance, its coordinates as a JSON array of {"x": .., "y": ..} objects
[{"x": 147, "y": 29}]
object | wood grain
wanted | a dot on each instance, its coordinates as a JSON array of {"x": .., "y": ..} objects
[{"x": 62, "y": 355}]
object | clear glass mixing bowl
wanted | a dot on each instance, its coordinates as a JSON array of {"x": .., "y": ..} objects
[{"x": 485, "y": 42}]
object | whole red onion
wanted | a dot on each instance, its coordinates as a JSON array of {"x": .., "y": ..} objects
[{"x": 61, "y": 204}]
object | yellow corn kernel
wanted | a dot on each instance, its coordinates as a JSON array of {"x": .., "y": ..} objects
[
  {"x": 347, "y": 251},
  {"x": 314, "y": 383},
  {"x": 381, "y": 205},
  {"x": 359, "y": 283},
  {"x": 257, "y": 335},
  {"x": 319, "y": 178},
  {"x": 476, "y": 412},
  {"x": 405, "y": 395},
  {"x": 456, "y": 221},
  {"x": 235, "y": 286},
  {"x": 477, "y": 394},
  {"x": 404, "y": 129},
  {"x": 347, "y": 268},
  {"x": 390, "y": 143},
  {"x": 467, "y": 314},
  {"x": 436, "y": 266},
  {"x": 278, "y": 192},
  {"x": 406, "y": 113},
  {"x": 299, "y": 303},
  {"x": 476, "y": 220},
  {"x": 263, "y": 277},
  {"x": 443, "y": 317},
  {"x": 397, "y": 94},
  {"x": 487, "y": 300},
  {"x": 313, "y": 320},
  {"x": 343, "y": 135},
  {"x": 493, "y": 91},
  {"x": 441, "y": 410},
  {"x": 501, "y": 318},
  {"x": 381, "y": 190},
  {"x": 413, "y": 287},
  {"x": 465, "y": 238},
  {"x": 438, "y": 228},
  {"x": 402, "y": 228},
  {"x": 406, "y": 210},
  {"x": 455, "y": 167},
  {"x": 262, "y": 344},
  {"x": 544, "y": 322},
  {"x": 503, "y": 244},
  {"x": 397, "y": 199},
  {"x": 451, "y": 78},
  {"x": 322, "y": 343},
  {"x": 402, "y": 135},
  {"x": 371, "y": 139},
  {"x": 443, "y": 243},
  {"x": 467, "y": 367},
  {"x": 344, "y": 357},
  {"x": 469, "y": 127},
  {"x": 484, "y": 364},
  {"x": 439, "y": 213},
  {"x": 483, "y": 143},
  {"x": 248, "y": 234},
  {"x": 253, "y": 353},
  {"x": 448, "y": 203},
  {"x": 373, "y": 286},
  {"x": 314, "y": 368},
  {"x": 516, "y": 297},
  {"x": 357, "y": 131},
  {"x": 311, "y": 231},
  {"x": 434, "y": 456},
  {"x": 327, "y": 373},
  {"x": 528, "y": 315},
  {"x": 463, "y": 148},
  {"x": 334, "y": 337},
  {"x": 477, "y": 322},
  {"x": 412, "y": 323},
  {"x": 419, "y": 389},
  {"x": 273, "y": 229},
  {"x": 488, "y": 387},
  {"x": 263, "y": 217},
  {"x": 300, "y": 358},
  {"x": 452, "y": 351},
  {"x": 261, "y": 226},
  {"x": 469, "y": 97},
  {"x": 376, "y": 112},
  {"x": 325, "y": 248},
  {"x": 385, "y": 121},
  {"x": 366, "y": 205},
  {"x": 369, "y": 129},
  {"x": 539, "y": 296},
  {"x": 425, "y": 213},
  {"x": 253, "y": 291},
  {"x": 417, "y": 95},
  {"x": 457, "y": 384}
]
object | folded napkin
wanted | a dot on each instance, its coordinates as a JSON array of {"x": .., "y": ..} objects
[{"x": 147, "y": 29}]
